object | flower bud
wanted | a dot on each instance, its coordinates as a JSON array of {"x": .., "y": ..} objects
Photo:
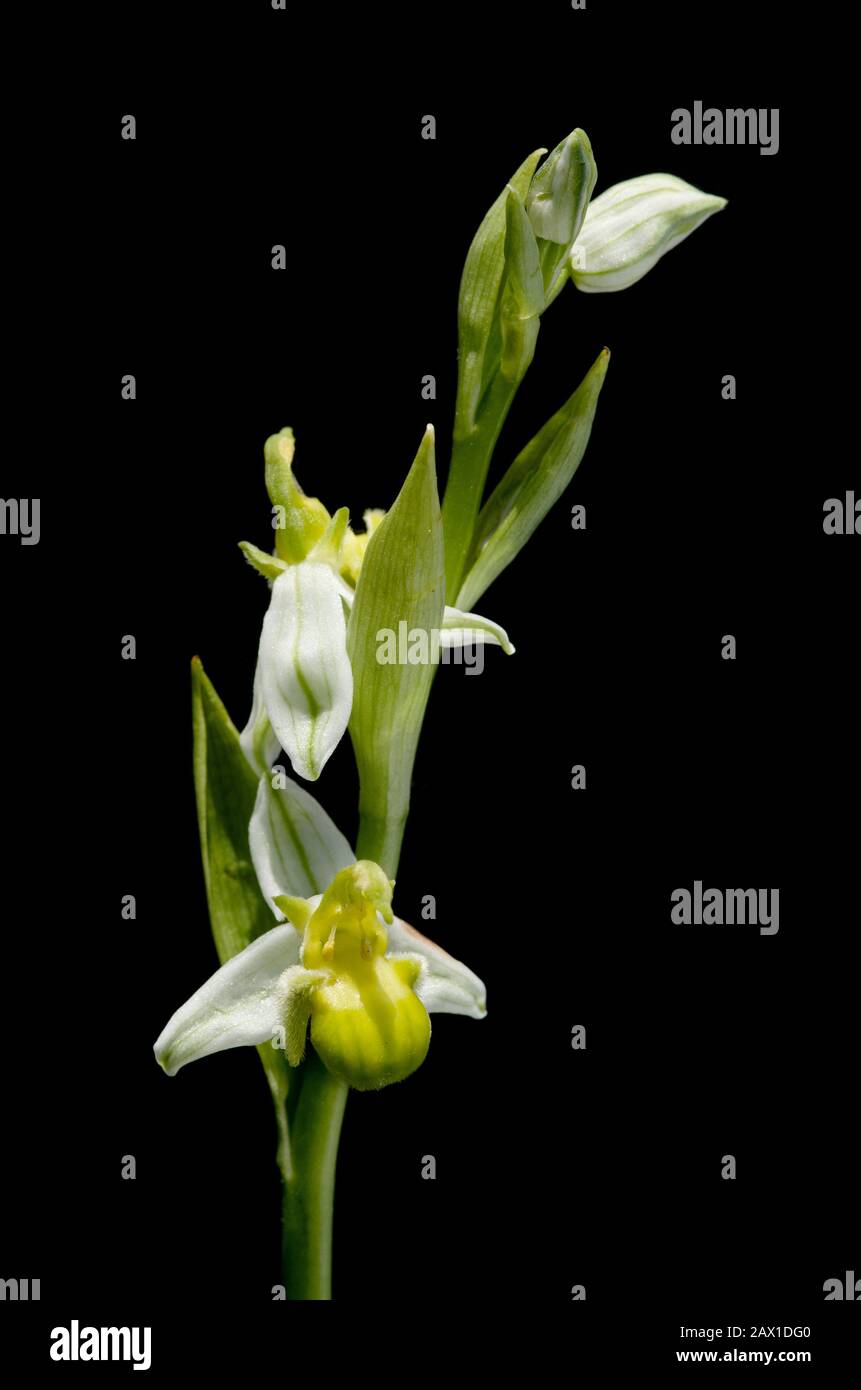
[
  {"x": 556, "y": 204},
  {"x": 630, "y": 227}
]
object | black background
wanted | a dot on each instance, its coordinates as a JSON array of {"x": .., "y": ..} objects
[{"x": 704, "y": 517}]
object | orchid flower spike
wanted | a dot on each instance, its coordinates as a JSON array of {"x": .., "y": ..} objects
[{"x": 303, "y": 684}]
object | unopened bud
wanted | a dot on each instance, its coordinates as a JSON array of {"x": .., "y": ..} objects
[{"x": 630, "y": 227}]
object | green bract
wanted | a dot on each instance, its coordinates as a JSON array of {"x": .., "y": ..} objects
[
  {"x": 401, "y": 580},
  {"x": 523, "y": 295},
  {"x": 226, "y": 790},
  {"x": 539, "y": 475},
  {"x": 477, "y": 310}
]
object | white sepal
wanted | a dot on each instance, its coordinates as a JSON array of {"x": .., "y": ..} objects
[
  {"x": 306, "y": 681},
  {"x": 445, "y": 985},
  {"x": 459, "y": 629},
  {"x": 296, "y": 848},
  {"x": 258, "y": 739},
  {"x": 237, "y": 1007}
]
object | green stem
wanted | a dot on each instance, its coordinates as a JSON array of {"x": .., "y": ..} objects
[
  {"x": 309, "y": 1190},
  {"x": 380, "y": 839},
  {"x": 471, "y": 453}
]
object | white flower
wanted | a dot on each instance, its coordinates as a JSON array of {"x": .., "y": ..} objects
[
  {"x": 365, "y": 981},
  {"x": 304, "y": 681},
  {"x": 303, "y": 684}
]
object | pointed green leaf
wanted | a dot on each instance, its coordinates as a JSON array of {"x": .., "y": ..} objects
[
  {"x": 226, "y": 789},
  {"x": 401, "y": 580},
  {"x": 536, "y": 479}
]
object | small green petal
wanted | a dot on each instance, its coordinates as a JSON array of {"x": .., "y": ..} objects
[
  {"x": 298, "y": 911},
  {"x": 267, "y": 565}
]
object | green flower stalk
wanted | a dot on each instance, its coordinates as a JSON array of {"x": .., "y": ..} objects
[{"x": 316, "y": 971}]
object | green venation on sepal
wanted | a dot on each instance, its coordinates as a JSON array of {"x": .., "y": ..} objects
[
  {"x": 401, "y": 580},
  {"x": 535, "y": 480},
  {"x": 226, "y": 788}
]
